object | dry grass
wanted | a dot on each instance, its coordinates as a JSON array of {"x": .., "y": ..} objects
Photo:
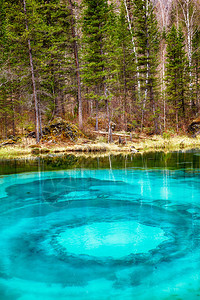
[
  {"x": 14, "y": 151},
  {"x": 171, "y": 144},
  {"x": 94, "y": 147},
  {"x": 155, "y": 143}
]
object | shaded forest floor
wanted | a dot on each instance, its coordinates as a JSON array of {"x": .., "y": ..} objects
[{"x": 27, "y": 147}]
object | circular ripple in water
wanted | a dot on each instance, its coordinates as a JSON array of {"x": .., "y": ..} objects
[
  {"x": 111, "y": 239},
  {"x": 76, "y": 238}
]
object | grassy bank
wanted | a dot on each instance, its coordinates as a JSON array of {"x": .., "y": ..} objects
[
  {"x": 155, "y": 143},
  {"x": 171, "y": 144}
]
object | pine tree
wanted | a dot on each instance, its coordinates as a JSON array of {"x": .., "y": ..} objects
[
  {"x": 77, "y": 60},
  {"x": 36, "y": 103},
  {"x": 11, "y": 63},
  {"x": 147, "y": 43},
  {"x": 95, "y": 18},
  {"x": 54, "y": 54},
  {"x": 126, "y": 65},
  {"x": 39, "y": 31},
  {"x": 176, "y": 72}
]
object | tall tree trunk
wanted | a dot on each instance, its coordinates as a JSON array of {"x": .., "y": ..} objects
[
  {"x": 177, "y": 121},
  {"x": 177, "y": 127},
  {"x": 40, "y": 120},
  {"x": 163, "y": 87},
  {"x": 5, "y": 118},
  {"x": 13, "y": 113},
  {"x": 76, "y": 56},
  {"x": 165, "y": 8},
  {"x": 109, "y": 123},
  {"x": 197, "y": 84},
  {"x": 5, "y": 125},
  {"x": 189, "y": 11},
  {"x": 189, "y": 46},
  {"x": 97, "y": 111},
  {"x": 62, "y": 106},
  {"x": 152, "y": 100},
  {"x": 12, "y": 103},
  {"x": 33, "y": 80},
  {"x": 91, "y": 107},
  {"x": 148, "y": 67},
  {"x": 125, "y": 90},
  {"x": 182, "y": 102},
  {"x": 134, "y": 47}
]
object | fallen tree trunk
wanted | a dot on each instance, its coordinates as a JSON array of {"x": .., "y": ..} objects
[{"x": 114, "y": 134}]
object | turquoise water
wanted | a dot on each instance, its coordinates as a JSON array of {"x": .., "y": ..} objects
[{"x": 127, "y": 233}]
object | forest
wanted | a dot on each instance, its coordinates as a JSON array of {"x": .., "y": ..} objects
[{"x": 130, "y": 64}]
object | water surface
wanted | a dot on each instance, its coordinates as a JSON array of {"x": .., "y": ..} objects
[{"x": 107, "y": 228}]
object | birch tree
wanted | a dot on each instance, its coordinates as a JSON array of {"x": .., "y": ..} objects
[
  {"x": 163, "y": 17},
  {"x": 189, "y": 12},
  {"x": 126, "y": 64},
  {"x": 130, "y": 26}
]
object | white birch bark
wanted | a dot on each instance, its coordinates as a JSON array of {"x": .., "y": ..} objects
[
  {"x": 189, "y": 10},
  {"x": 146, "y": 8},
  {"x": 133, "y": 44},
  {"x": 165, "y": 13}
]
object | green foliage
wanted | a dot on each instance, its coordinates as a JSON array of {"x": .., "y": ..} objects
[
  {"x": 99, "y": 48},
  {"x": 176, "y": 70},
  {"x": 147, "y": 41},
  {"x": 167, "y": 134},
  {"x": 196, "y": 63},
  {"x": 147, "y": 38},
  {"x": 50, "y": 37},
  {"x": 94, "y": 33},
  {"x": 126, "y": 66},
  {"x": 118, "y": 58}
]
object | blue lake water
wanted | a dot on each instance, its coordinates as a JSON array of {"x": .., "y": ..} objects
[{"x": 102, "y": 233}]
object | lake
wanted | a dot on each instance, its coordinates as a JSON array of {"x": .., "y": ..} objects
[{"x": 106, "y": 227}]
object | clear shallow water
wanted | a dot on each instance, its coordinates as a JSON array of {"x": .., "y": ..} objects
[
  {"x": 111, "y": 239},
  {"x": 100, "y": 234}
]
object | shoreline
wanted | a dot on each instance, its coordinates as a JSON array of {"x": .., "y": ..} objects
[{"x": 153, "y": 144}]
